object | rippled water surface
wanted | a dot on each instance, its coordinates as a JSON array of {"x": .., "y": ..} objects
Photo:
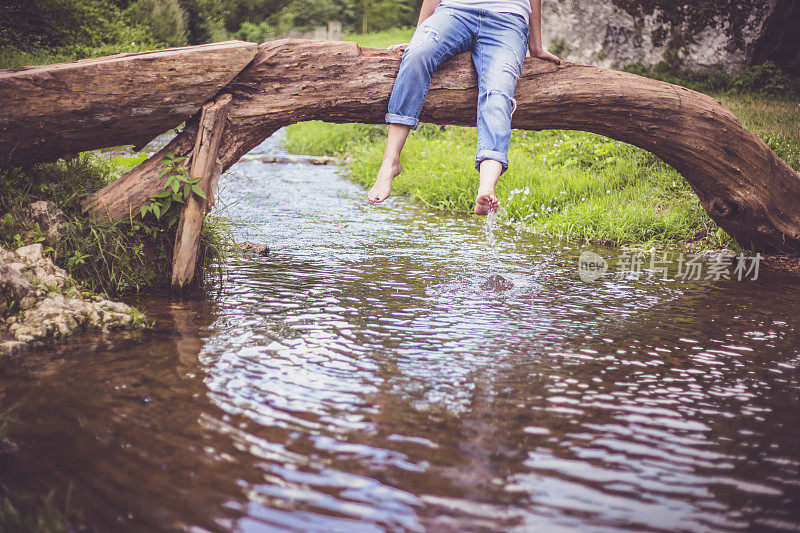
[{"x": 373, "y": 373}]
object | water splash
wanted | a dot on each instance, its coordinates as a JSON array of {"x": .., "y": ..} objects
[{"x": 489, "y": 227}]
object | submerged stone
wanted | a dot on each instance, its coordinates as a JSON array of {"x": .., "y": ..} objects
[
  {"x": 496, "y": 283},
  {"x": 253, "y": 248}
]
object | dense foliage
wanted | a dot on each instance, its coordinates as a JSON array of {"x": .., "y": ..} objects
[
  {"x": 42, "y": 31},
  {"x": 765, "y": 79}
]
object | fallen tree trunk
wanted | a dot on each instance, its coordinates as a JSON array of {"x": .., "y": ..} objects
[
  {"x": 50, "y": 111},
  {"x": 741, "y": 183},
  {"x": 204, "y": 163}
]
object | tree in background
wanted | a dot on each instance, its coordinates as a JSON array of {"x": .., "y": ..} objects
[
  {"x": 379, "y": 15},
  {"x": 61, "y": 30},
  {"x": 54, "y": 24},
  {"x": 253, "y": 11},
  {"x": 165, "y": 20},
  {"x": 35, "y": 31},
  {"x": 203, "y": 20},
  {"x": 308, "y": 14},
  {"x": 304, "y": 15}
]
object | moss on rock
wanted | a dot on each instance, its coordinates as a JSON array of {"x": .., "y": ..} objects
[{"x": 40, "y": 302}]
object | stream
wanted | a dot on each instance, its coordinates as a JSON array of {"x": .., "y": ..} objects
[{"x": 394, "y": 368}]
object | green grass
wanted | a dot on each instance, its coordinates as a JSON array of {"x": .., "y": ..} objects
[
  {"x": 560, "y": 184},
  {"x": 32, "y": 515},
  {"x": 765, "y": 79},
  {"x": 775, "y": 119},
  {"x": 381, "y": 39}
]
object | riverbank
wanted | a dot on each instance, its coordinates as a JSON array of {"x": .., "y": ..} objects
[
  {"x": 41, "y": 204},
  {"x": 561, "y": 184},
  {"x": 61, "y": 270}
]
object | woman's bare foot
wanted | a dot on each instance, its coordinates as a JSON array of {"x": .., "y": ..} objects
[
  {"x": 390, "y": 169},
  {"x": 485, "y": 203}
]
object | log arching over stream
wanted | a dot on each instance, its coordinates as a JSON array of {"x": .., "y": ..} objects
[{"x": 742, "y": 184}]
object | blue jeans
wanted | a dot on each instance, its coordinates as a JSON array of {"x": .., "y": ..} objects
[{"x": 498, "y": 42}]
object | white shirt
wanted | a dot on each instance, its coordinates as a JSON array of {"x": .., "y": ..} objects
[{"x": 520, "y": 7}]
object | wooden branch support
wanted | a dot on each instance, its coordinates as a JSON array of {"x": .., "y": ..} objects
[{"x": 205, "y": 165}]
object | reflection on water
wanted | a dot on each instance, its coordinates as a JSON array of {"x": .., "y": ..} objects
[{"x": 393, "y": 368}]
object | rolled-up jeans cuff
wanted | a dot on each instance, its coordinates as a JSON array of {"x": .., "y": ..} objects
[
  {"x": 394, "y": 118},
  {"x": 491, "y": 154}
]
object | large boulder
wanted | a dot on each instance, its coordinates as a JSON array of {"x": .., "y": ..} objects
[{"x": 723, "y": 35}]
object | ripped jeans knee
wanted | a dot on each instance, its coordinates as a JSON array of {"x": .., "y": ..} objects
[
  {"x": 507, "y": 98},
  {"x": 495, "y": 109}
]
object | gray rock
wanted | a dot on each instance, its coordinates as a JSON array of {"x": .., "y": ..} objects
[
  {"x": 31, "y": 253},
  {"x": 41, "y": 268},
  {"x": 50, "y": 304},
  {"x": 14, "y": 286},
  {"x": 49, "y": 218},
  {"x": 604, "y": 33},
  {"x": 13, "y": 282}
]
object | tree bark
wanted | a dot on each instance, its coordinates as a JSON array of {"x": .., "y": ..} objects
[
  {"x": 741, "y": 183},
  {"x": 51, "y": 111},
  {"x": 204, "y": 162}
]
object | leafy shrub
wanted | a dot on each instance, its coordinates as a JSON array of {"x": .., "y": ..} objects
[
  {"x": 61, "y": 26},
  {"x": 307, "y": 14},
  {"x": 126, "y": 256},
  {"x": 766, "y": 79},
  {"x": 255, "y": 33}
]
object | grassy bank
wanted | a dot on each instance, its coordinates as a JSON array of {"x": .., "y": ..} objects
[
  {"x": 560, "y": 184},
  {"x": 127, "y": 256}
]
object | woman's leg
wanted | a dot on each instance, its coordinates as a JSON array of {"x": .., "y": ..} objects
[
  {"x": 486, "y": 201},
  {"x": 390, "y": 167},
  {"x": 498, "y": 54},
  {"x": 445, "y": 33}
]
